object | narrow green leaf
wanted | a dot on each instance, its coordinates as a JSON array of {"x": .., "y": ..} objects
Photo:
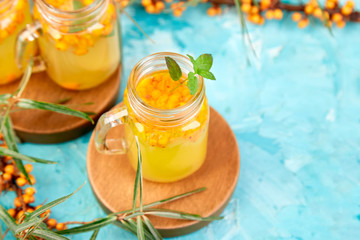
[
  {"x": 94, "y": 235},
  {"x": 163, "y": 201},
  {"x": 192, "y": 83},
  {"x": 7, "y": 219},
  {"x": 48, "y": 235},
  {"x": 128, "y": 227},
  {"x": 174, "y": 68},
  {"x": 138, "y": 178},
  {"x": 174, "y": 198},
  {"x": 25, "y": 225},
  {"x": 8, "y": 152},
  {"x": 90, "y": 226},
  {"x": 4, "y": 98},
  {"x": 131, "y": 226},
  {"x": 135, "y": 214},
  {"x": 140, "y": 228},
  {"x": 207, "y": 74},
  {"x": 179, "y": 215},
  {"x": 152, "y": 229},
  {"x": 52, "y": 204},
  {"x": 32, "y": 104},
  {"x": 10, "y": 139},
  {"x": 204, "y": 62}
]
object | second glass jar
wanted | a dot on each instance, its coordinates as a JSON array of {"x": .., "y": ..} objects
[{"x": 79, "y": 41}]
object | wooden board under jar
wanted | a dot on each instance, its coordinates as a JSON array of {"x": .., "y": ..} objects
[
  {"x": 112, "y": 180},
  {"x": 39, "y": 126}
]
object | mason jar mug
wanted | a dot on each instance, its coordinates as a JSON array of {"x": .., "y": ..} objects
[
  {"x": 78, "y": 40},
  {"x": 170, "y": 124},
  {"x": 14, "y": 15}
]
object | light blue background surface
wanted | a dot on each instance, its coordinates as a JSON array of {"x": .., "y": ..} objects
[{"x": 295, "y": 111}]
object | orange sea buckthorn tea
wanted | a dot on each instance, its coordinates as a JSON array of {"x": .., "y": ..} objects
[
  {"x": 14, "y": 15},
  {"x": 169, "y": 117},
  {"x": 78, "y": 40}
]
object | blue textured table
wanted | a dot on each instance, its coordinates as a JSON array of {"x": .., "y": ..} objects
[{"x": 295, "y": 111}]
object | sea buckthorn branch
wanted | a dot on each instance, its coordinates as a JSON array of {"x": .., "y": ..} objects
[
  {"x": 257, "y": 11},
  {"x": 273, "y": 9}
]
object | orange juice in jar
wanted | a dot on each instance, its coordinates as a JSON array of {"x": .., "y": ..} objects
[
  {"x": 14, "y": 15},
  {"x": 78, "y": 40},
  {"x": 170, "y": 123}
]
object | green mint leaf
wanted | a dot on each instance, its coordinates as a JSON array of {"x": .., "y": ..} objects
[
  {"x": 207, "y": 74},
  {"x": 174, "y": 68},
  {"x": 192, "y": 83},
  {"x": 204, "y": 62},
  {"x": 193, "y": 61}
]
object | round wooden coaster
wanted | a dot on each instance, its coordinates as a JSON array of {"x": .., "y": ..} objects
[
  {"x": 40, "y": 126},
  {"x": 112, "y": 180}
]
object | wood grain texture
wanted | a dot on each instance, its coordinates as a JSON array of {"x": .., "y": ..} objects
[
  {"x": 112, "y": 180},
  {"x": 40, "y": 126}
]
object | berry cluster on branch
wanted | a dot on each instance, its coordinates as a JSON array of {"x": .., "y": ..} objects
[
  {"x": 12, "y": 180},
  {"x": 258, "y": 11}
]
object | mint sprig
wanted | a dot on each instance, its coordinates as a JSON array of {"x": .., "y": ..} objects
[{"x": 201, "y": 66}]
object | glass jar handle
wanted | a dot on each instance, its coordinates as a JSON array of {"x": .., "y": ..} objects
[
  {"x": 24, "y": 38},
  {"x": 106, "y": 122}
]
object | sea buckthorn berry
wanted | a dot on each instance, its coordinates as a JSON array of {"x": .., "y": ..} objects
[
  {"x": 7, "y": 176},
  {"x": 309, "y": 8},
  {"x": 317, "y": 12},
  {"x": 341, "y": 24},
  {"x": 346, "y": 10},
  {"x": 30, "y": 191},
  {"x": 9, "y": 169},
  {"x": 26, "y": 199},
  {"x": 17, "y": 202},
  {"x": 29, "y": 168},
  {"x": 330, "y": 5},
  {"x": 150, "y": 9},
  {"x": 254, "y": 10},
  {"x": 336, "y": 17},
  {"x": 30, "y": 210},
  {"x": 350, "y": 3},
  {"x": 246, "y": 7},
  {"x": 211, "y": 11},
  {"x": 21, "y": 181},
  {"x": 19, "y": 214},
  {"x": 255, "y": 18},
  {"x": 264, "y": 4},
  {"x": 296, "y": 16},
  {"x": 60, "y": 226},
  {"x": 269, "y": 14},
  {"x": 51, "y": 223},
  {"x": 262, "y": 20},
  {"x": 168, "y": 1},
  {"x": 177, "y": 12},
  {"x": 60, "y": 45},
  {"x": 12, "y": 212},
  {"x": 146, "y": 2},
  {"x": 159, "y": 5},
  {"x": 278, "y": 14},
  {"x": 32, "y": 199},
  {"x": 303, "y": 23},
  {"x": 47, "y": 212}
]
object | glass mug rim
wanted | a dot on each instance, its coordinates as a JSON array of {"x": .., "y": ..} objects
[
  {"x": 168, "y": 117},
  {"x": 7, "y": 5},
  {"x": 85, "y": 16}
]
